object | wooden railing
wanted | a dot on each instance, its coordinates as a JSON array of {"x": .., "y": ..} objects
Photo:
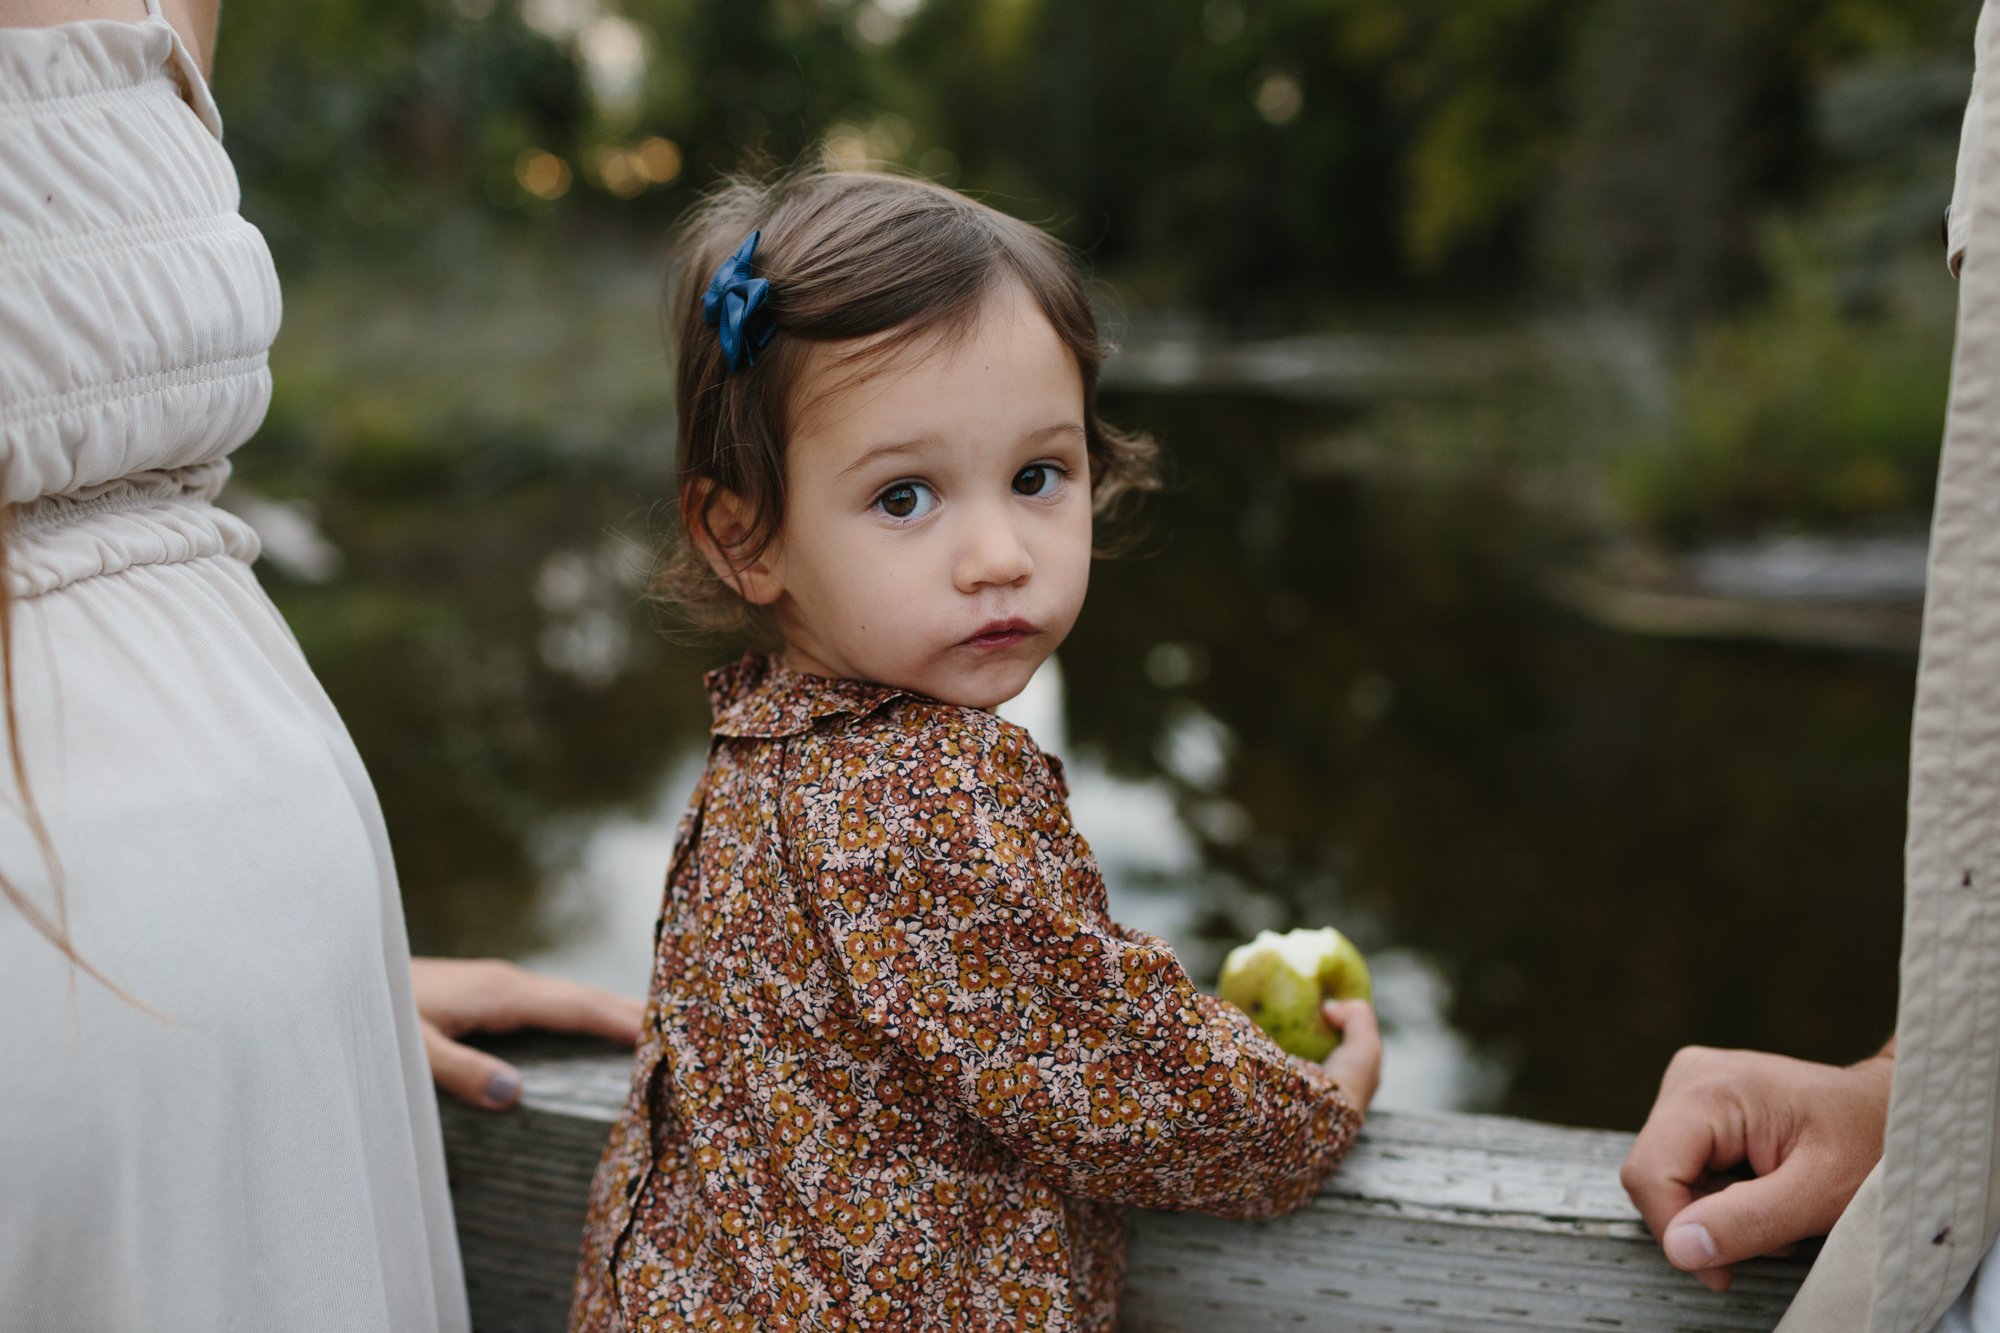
[{"x": 1437, "y": 1222}]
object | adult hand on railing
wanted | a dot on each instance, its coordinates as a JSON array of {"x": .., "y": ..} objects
[
  {"x": 1810, "y": 1132},
  {"x": 456, "y": 996}
]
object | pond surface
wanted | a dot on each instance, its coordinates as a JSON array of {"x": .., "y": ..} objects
[{"x": 1314, "y": 695}]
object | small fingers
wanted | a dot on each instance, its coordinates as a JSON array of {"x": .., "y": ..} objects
[
  {"x": 1355, "y": 1020},
  {"x": 1355, "y": 1064},
  {"x": 470, "y": 1075}
]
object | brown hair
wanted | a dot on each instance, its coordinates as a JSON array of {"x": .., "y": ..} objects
[
  {"x": 52, "y": 927},
  {"x": 849, "y": 255}
]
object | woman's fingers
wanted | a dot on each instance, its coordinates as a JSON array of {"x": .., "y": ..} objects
[
  {"x": 532, "y": 1000},
  {"x": 471, "y": 1075},
  {"x": 461, "y": 995}
]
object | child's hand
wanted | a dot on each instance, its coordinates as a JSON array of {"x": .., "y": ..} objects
[{"x": 1356, "y": 1064}]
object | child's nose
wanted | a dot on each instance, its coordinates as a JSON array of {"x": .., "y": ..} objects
[{"x": 993, "y": 555}]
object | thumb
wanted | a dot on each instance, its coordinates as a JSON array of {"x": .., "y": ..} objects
[
  {"x": 1741, "y": 1221},
  {"x": 1356, "y": 1064},
  {"x": 471, "y": 1075}
]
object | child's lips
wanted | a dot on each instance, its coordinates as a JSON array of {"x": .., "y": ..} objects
[{"x": 1001, "y": 634}]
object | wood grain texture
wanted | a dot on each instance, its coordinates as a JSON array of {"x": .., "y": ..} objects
[{"x": 1437, "y": 1222}]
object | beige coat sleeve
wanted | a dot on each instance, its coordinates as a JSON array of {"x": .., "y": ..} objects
[
  {"x": 1920, "y": 1225},
  {"x": 1961, "y": 217}
]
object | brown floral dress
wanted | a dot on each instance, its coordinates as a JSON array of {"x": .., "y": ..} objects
[{"x": 900, "y": 1070}]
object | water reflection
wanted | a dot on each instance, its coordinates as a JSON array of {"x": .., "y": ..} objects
[
  {"x": 604, "y": 878},
  {"x": 604, "y": 884},
  {"x": 1315, "y": 698},
  {"x": 1608, "y": 846},
  {"x": 487, "y": 642}
]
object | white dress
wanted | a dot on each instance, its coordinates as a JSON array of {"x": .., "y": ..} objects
[{"x": 264, "y": 1154}]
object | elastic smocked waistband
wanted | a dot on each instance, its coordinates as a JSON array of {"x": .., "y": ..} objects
[{"x": 155, "y": 519}]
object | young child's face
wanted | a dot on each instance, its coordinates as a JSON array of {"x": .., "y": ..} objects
[{"x": 937, "y": 527}]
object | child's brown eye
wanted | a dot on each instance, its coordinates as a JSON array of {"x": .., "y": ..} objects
[
  {"x": 907, "y": 499},
  {"x": 1037, "y": 479}
]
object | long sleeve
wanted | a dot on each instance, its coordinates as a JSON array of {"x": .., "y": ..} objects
[{"x": 960, "y": 903}]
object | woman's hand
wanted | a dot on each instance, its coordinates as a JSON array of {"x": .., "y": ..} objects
[
  {"x": 1356, "y": 1064},
  {"x": 1811, "y": 1132},
  {"x": 460, "y": 995}
]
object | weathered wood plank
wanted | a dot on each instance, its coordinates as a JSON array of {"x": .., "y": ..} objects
[{"x": 1438, "y": 1222}]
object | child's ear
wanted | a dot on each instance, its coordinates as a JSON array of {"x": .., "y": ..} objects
[{"x": 718, "y": 520}]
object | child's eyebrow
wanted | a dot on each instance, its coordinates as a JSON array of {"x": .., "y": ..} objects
[
  {"x": 1058, "y": 428},
  {"x": 922, "y": 443},
  {"x": 915, "y": 446}
]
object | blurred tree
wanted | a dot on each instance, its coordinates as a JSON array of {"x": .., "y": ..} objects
[
  {"x": 354, "y": 113},
  {"x": 1258, "y": 160},
  {"x": 1691, "y": 124},
  {"x": 1684, "y": 117},
  {"x": 1476, "y": 94},
  {"x": 1316, "y": 147},
  {"x": 751, "y": 82}
]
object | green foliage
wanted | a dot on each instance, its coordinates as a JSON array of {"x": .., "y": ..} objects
[
  {"x": 350, "y": 115},
  {"x": 1315, "y": 147},
  {"x": 1264, "y": 164},
  {"x": 1257, "y": 159},
  {"x": 749, "y": 81},
  {"x": 1799, "y": 412}
]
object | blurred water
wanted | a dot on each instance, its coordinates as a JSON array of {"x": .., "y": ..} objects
[
  {"x": 1313, "y": 696},
  {"x": 604, "y": 903}
]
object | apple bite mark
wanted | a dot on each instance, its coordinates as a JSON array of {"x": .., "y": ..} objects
[{"x": 1281, "y": 980}]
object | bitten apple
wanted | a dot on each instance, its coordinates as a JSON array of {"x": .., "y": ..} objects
[{"x": 1280, "y": 980}]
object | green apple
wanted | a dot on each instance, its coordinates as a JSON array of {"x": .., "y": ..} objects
[{"x": 1280, "y": 980}]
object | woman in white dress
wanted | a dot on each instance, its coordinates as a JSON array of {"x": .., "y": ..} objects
[{"x": 246, "y": 1136}]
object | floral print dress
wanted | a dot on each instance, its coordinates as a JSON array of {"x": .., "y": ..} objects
[{"x": 900, "y": 1069}]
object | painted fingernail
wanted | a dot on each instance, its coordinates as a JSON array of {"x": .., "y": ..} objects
[
  {"x": 1690, "y": 1246},
  {"x": 503, "y": 1088}
]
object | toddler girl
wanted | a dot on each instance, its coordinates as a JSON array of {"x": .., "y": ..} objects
[{"x": 900, "y": 1068}]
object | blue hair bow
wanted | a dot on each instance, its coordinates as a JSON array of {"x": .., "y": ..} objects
[{"x": 737, "y": 305}]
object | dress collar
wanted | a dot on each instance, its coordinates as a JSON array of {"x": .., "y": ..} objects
[{"x": 762, "y": 697}]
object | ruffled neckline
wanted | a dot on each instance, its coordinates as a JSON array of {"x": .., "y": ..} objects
[
  {"x": 760, "y": 696},
  {"x": 94, "y": 58}
]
